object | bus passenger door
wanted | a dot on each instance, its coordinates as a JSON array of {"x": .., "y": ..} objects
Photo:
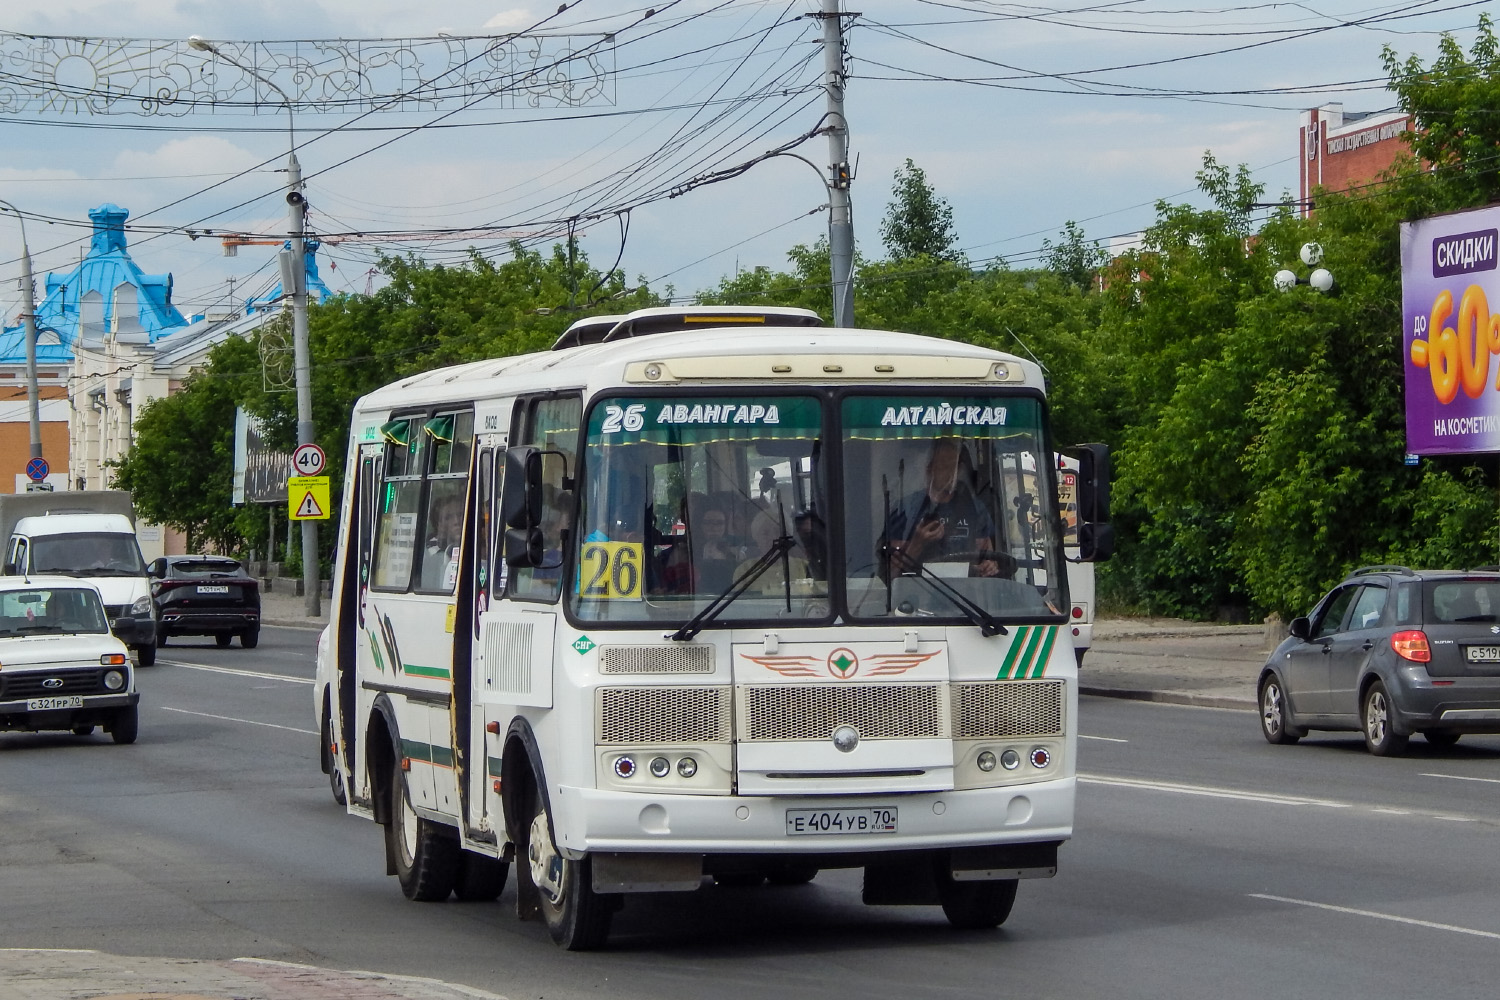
[{"x": 367, "y": 489}]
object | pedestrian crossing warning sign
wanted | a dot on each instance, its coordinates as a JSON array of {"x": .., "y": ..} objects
[{"x": 307, "y": 498}]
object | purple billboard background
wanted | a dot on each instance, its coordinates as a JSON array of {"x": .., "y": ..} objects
[{"x": 1448, "y": 273}]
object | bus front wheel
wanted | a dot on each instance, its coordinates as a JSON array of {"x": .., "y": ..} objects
[
  {"x": 577, "y": 917},
  {"x": 427, "y": 862},
  {"x": 975, "y": 905}
]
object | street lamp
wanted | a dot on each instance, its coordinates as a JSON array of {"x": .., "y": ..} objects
[
  {"x": 294, "y": 286},
  {"x": 1321, "y": 278},
  {"x": 28, "y": 293}
]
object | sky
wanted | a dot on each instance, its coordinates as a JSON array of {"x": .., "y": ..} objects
[{"x": 1022, "y": 117}]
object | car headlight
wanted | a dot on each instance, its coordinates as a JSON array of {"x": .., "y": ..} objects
[
  {"x": 142, "y": 606},
  {"x": 114, "y": 679}
]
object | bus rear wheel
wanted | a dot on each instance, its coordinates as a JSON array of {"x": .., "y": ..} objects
[
  {"x": 975, "y": 906},
  {"x": 577, "y": 917},
  {"x": 427, "y": 862}
]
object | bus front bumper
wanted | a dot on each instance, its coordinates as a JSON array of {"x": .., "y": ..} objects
[{"x": 591, "y": 820}]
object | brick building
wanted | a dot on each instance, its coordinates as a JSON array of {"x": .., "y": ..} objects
[{"x": 1343, "y": 150}]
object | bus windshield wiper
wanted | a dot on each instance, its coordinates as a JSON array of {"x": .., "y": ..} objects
[
  {"x": 779, "y": 548},
  {"x": 976, "y": 615}
]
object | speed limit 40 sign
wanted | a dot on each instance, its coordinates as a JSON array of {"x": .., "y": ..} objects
[{"x": 308, "y": 460}]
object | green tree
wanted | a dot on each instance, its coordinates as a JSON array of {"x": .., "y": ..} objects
[
  {"x": 918, "y": 223},
  {"x": 1073, "y": 258}
]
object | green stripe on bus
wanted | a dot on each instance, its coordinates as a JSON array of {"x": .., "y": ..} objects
[
  {"x": 416, "y": 751},
  {"x": 420, "y": 671},
  {"x": 1041, "y": 661},
  {"x": 1028, "y": 655},
  {"x": 1010, "y": 656},
  {"x": 442, "y": 756}
]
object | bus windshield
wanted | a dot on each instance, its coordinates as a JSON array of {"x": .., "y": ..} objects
[
  {"x": 683, "y": 496},
  {"x": 948, "y": 504},
  {"x": 947, "y": 509}
]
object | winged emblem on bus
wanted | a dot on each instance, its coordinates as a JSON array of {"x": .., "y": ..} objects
[
  {"x": 886, "y": 664},
  {"x": 788, "y": 666}
]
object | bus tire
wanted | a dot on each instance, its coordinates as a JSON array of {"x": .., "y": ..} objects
[
  {"x": 427, "y": 861},
  {"x": 335, "y": 776},
  {"x": 577, "y": 917},
  {"x": 481, "y": 879},
  {"x": 975, "y": 906}
]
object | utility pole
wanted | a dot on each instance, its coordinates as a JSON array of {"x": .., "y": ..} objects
[
  {"x": 28, "y": 298},
  {"x": 840, "y": 211}
]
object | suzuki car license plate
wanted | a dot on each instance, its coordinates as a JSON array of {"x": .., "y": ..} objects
[
  {"x": 876, "y": 819},
  {"x": 50, "y": 704},
  {"x": 212, "y": 589},
  {"x": 1482, "y": 654}
]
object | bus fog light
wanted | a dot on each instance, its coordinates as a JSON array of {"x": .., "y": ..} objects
[
  {"x": 1040, "y": 757},
  {"x": 1010, "y": 760},
  {"x": 660, "y": 767},
  {"x": 687, "y": 767},
  {"x": 986, "y": 761},
  {"x": 114, "y": 679},
  {"x": 624, "y": 767}
]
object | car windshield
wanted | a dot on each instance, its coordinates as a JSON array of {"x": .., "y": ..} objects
[
  {"x": 685, "y": 496},
  {"x": 1456, "y": 601},
  {"x": 100, "y": 553},
  {"x": 50, "y": 611},
  {"x": 206, "y": 568},
  {"x": 949, "y": 507}
]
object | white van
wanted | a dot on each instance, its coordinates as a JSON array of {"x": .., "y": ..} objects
[{"x": 100, "y": 549}]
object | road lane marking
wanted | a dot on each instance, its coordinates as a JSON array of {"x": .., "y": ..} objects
[
  {"x": 239, "y": 673},
  {"x": 1105, "y": 739},
  {"x": 1271, "y": 798},
  {"x": 1463, "y": 777},
  {"x": 1377, "y": 915},
  {"x": 248, "y": 722}
]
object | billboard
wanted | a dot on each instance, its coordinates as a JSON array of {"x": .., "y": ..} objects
[
  {"x": 260, "y": 471},
  {"x": 1450, "y": 339}
]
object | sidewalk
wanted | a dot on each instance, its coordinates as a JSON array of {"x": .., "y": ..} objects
[
  {"x": 283, "y": 607},
  {"x": 1183, "y": 663},
  {"x": 27, "y": 974}
]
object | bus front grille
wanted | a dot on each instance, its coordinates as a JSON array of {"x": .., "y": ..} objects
[
  {"x": 679, "y": 658},
  {"x": 661, "y": 714},
  {"x": 1005, "y": 709},
  {"x": 814, "y": 711}
]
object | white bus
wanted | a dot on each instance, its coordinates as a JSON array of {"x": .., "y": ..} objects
[{"x": 706, "y": 593}]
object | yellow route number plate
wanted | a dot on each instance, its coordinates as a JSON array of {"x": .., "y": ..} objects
[{"x": 611, "y": 571}]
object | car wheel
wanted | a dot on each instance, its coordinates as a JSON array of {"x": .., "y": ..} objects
[
  {"x": 146, "y": 655},
  {"x": 1381, "y": 739},
  {"x": 335, "y": 776},
  {"x": 1275, "y": 713},
  {"x": 577, "y": 917},
  {"x": 250, "y": 639},
  {"x": 83, "y": 730},
  {"x": 126, "y": 724},
  {"x": 975, "y": 906},
  {"x": 1440, "y": 738},
  {"x": 481, "y": 879},
  {"x": 223, "y": 639},
  {"x": 426, "y": 860}
]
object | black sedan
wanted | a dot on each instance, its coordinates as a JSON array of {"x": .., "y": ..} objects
[
  {"x": 1390, "y": 652},
  {"x": 205, "y": 595}
]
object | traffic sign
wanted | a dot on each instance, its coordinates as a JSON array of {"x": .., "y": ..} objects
[
  {"x": 308, "y": 460},
  {"x": 307, "y": 498},
  {"x": 37, "y": 469}
]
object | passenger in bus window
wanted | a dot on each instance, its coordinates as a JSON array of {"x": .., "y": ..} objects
[
  {"x": 943, "y": 521},
  {"x": 440, "y": 558},
  {"x": 714, "y": 556}
]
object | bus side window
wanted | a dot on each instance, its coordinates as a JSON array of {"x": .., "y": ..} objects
[
  {"x": 452, "y": 439},
  {"x": 484, "y": 537},
  {"x": 397, "y": 508},
  {"x": 552, "y": 425}
]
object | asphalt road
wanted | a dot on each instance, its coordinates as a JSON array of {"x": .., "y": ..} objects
[{"x": 1206, "y": 863}]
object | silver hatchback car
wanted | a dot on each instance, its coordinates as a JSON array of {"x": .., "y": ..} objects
[{"x": 1390, "y": 652}]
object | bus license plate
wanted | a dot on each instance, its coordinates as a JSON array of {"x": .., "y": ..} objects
[
  {"x": 212, "y": 589},
  {"x": 878, "y": 819},
  {"x": 51, "y": 704},
  {"x": 1482, "y": 654}
]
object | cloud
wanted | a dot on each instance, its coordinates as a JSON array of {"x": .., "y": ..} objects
[{"x": 511, "y": 20}]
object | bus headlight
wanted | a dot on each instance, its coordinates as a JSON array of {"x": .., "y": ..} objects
[
  {"x": 687, "y": 767},
  {"x": 624, "y": 767},
  {"x": 986, "y": 761},
  {"x": 1040, "y": 757},
  {"x": 660, "y": 767},
  {"x": 1010, "y": 760}
]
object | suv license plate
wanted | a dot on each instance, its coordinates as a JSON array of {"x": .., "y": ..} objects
[
  {"x": 877, "y": 819},
  {"x": 213, "y": 589},
  {"x": 49, "y": 704},
  {"x": 1482, "y": 654}
]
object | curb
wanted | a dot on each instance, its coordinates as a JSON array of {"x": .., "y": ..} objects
[
  {"x": 313, "y": 625},
  {"x": 1169, "y": 697}
]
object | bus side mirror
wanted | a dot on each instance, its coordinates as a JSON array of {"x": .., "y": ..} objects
[
  {"x": 523, "y": 547},
  {"x": 1096, "y": 536},
  {"x": 521, "y": 494}
]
